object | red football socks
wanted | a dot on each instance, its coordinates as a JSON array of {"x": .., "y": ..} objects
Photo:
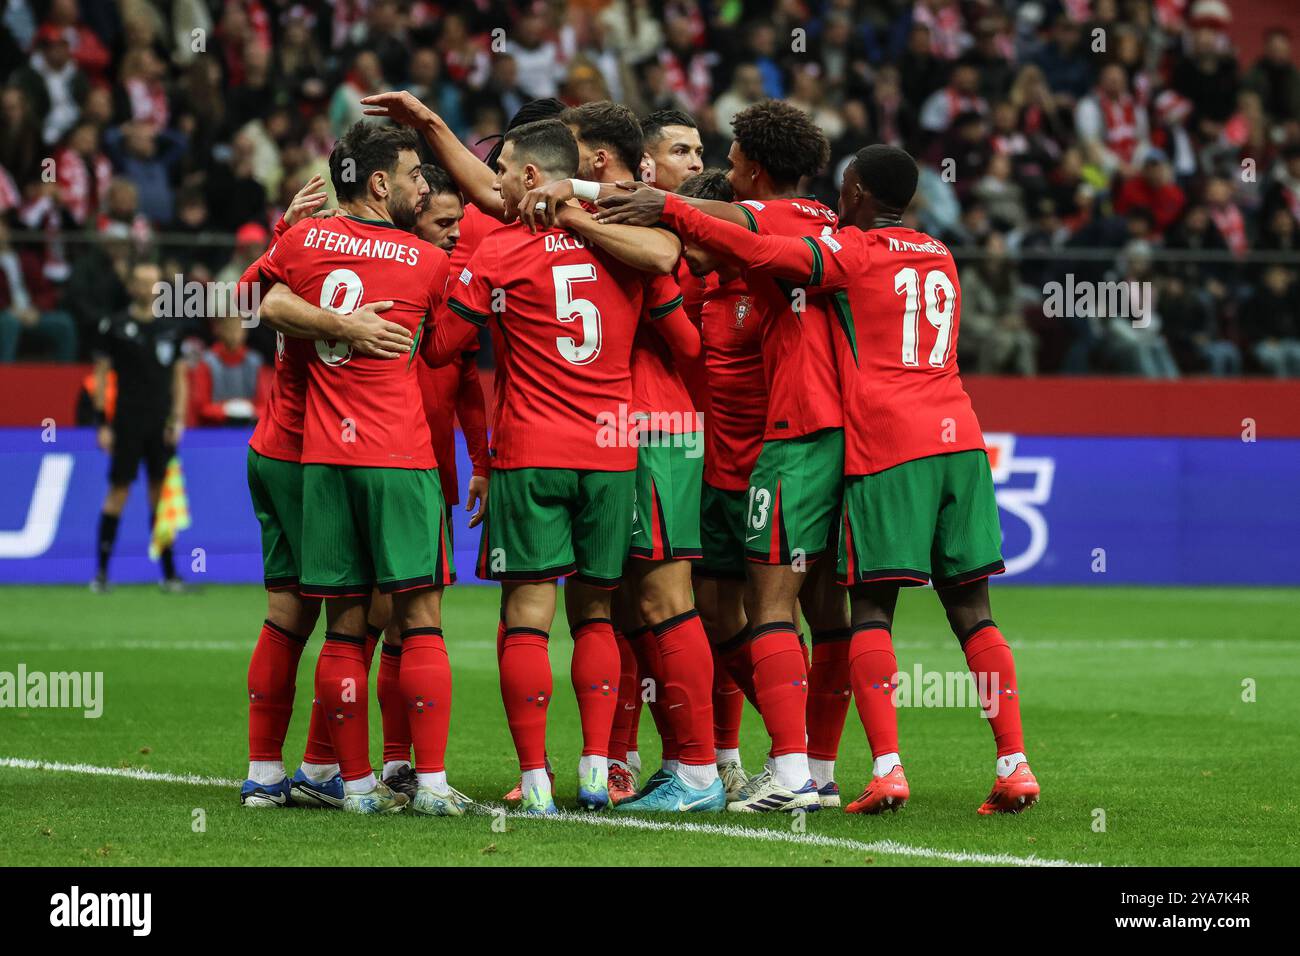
[
  {"x": 272, "y": 674},
  {"x": 425, "y": 679},
  {"x": 872, "y": 668},
  {"x": 686, "y": 664},
  {"x": 829, "y": 691},
  {"x": 994, "y": 668},
  {"x": 595, "y": 672},
  {"x": 646, "y": 648},
  {"x": 342, "y": 694},
  {"x": 526, "y": 692},
  {"x": 728, "y": 705},
  {"x": 781, "y": 684},
  {"x": 629, "y": 691}
]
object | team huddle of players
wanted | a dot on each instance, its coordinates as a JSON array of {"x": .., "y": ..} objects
[{"x": 716, "y": 406}]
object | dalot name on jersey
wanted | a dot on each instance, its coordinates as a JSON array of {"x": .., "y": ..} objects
[
  {"x": 360, "y": 246},
  {"x": 934, "y": 246},
  {"x": 564, "y": 242}
]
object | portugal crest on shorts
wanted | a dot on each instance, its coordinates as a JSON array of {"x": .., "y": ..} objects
[
  {"x": 165, "y": 349},
  {"x": 741, "y": 311}
]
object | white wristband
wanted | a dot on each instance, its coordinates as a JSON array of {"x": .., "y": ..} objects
[{"x": 585, "y": 189}]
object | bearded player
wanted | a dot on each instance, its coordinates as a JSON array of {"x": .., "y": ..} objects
[
  {"x": 919, "y": 505},
  {"x": 373, "y": 514},
  {"x": 275, "y": 486},
  {"x": 450, "y": 392}
]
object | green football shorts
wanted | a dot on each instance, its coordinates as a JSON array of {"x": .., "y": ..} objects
[
  {"x": 547, "y": 523},
  {"x": 794, "y": 497},
  {"x": 276, "y": 489},
  {"x": 931, "y": 518},
  {"x": 368, "y": 527},
  {"x": 722, "y": 533},
  {"x": 666, "y": 517}
]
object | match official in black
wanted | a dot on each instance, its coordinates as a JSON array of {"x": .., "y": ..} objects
[{"x": 148, "y": 419}]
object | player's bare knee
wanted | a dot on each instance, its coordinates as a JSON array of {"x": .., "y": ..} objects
[
  {"x": 421, "y": 608},
  {"x": 292, "y": 612}
]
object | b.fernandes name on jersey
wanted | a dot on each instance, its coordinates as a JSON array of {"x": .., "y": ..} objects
[{"x": 361, "y": 247}]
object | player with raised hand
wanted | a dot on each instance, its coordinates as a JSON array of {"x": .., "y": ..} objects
[
  {"x": 657, "y": 611},
  {"x": 919, "y": 504},
  {"x": 373, "y": 513},
  {"x": 563, "y": 315},
  {"x": 275, "y": 485},
  {"x": 795, "y": 486}
]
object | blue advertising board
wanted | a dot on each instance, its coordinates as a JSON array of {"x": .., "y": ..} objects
[{"x": 1074, "y": 510}]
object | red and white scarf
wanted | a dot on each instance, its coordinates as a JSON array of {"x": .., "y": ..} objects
[
  {"x": 82, "y": 182},
  {"x": 1232, "y": 225},
  {"x": 1120, "y": 115}
]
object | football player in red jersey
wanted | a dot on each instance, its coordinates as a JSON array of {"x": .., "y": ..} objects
[
  {"x": 450, "y": 392},
  {"x": 919, "y": 504},
  {"x": 647, "y": 251},
  {"x": 563, "y": 454},
  {"x": 275, "y": 485},
  {"x": 796, "y": 484},
  {"x": 658, "y": 617},
  {"x": 373, "y": 513},
  {"x": 733, "y": 429}
]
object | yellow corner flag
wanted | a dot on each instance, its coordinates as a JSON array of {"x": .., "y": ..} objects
[{"x": 173, "y": 514}]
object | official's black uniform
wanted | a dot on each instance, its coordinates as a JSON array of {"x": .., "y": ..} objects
[{"x": 144, "y": 356}]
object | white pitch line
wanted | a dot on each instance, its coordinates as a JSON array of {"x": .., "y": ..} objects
[
  {"x": 131, "y": 773},
  {"x": 888, "y": 847}
]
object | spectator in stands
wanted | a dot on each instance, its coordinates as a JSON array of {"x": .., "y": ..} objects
[
  {"x": 364, "y": 78},
  {"x": 83, "y": 173},
  {"x": 21, "y": 146},
  {"x": 1001, "y": 195},
  {"x": 921, "y": 71},
  {"x": 1192, "y": 328},
  {"x": 994, "y": 338},
  {"x": 1065, "y": 63},
  {"x": 961, "y": 96},
  {"x": 1207, "y": 73},
  {"x": 1271, "y": 323},
  {"x": 227, "y": 384},
  {"x": 234, "y": 194},
  {"x": 537, "y": 57},
  {"x": 98, "y": 282},
  {"x": 53, "y": 84},
  {"x": 148, "y": 157},
  {"x": 746, "y": 90},
  {"x": 1112, "y": 124},
  {"x": 28, "y": 312},
  {"x": 1275, "y": 77},
  {"x": 1135, "y": 338},
  {"x": 1154, "y": 190}
]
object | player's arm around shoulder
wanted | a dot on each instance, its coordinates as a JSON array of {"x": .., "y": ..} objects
[
  {"x": 648, "y": 249},
  {"x": 464, "y": 307}
]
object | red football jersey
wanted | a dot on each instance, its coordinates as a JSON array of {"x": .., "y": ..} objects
[
  {"x": 898, "y": 313},
  {"x": 452, "y": 392},
  {"x": 474, "y": 226},
  {"x": 803, "y": 390},
  {"x": 692, "y": 371},
  {"x": 897, "y": 306},
  {"x": 360, "y": 410},
  {"x": 659, "y": 395},
  {"x": 278, "y": 433},
  {"x": 563, "y": 317},
  {"x": 733, "y": 360}
]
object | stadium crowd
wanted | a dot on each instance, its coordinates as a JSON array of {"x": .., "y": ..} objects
[{"x": 1109, "y": 139}]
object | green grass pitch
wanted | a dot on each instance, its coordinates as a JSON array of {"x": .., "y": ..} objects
[{"x": 1132, "y": 698}]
